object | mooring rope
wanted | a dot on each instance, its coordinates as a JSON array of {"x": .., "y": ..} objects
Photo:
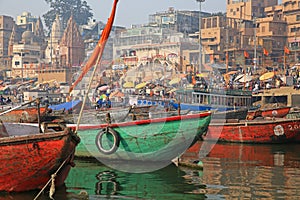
[{"x": 52, "y": 179}]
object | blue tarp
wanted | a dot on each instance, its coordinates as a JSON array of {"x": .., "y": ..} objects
[{"x": 65, "y": 106}]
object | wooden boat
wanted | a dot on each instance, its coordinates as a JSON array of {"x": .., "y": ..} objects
[
  {"x": 269, "y": 112},
  {"x": 28, "y": 158},
  {"x": 239, "y": 114},
  {"x": 24, "y": 115},
  {"x": 211, "y": 99},
  {"x": 278, "y": 130},
  {"x": 160, "y": 139},
  {"x": 93, "y": 116}
]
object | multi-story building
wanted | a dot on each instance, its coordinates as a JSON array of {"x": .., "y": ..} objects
[
  {"x": 6, "y": 27},
  {"x": 248, "y": 9},
  {"x": 186, "y": 22},
  {"x": 143, "y": 45}
]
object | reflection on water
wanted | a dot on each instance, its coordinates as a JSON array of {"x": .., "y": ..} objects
[
  {"x": 230, "y": 171},
  {"x": 250, "y": 171},
  {"x": 169, "y": 182}
]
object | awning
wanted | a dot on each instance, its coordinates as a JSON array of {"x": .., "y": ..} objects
[
  {"x": 267, "y": 76},
  {"x": 238, "y": 77},
  {"x": 245, "y": 78}
]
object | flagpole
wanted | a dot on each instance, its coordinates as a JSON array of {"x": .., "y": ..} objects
[{"x": 284, "y": 61}]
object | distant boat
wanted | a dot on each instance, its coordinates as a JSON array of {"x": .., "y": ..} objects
[
  {"x": 269, "y": 112},
  {"x": 28, "y": 158},
  {"x": 24, "y": 115},
  {"x": 278, "y": 130},
  {"x": 160, "y": 139},
  {"x": 205, "y": 99}
]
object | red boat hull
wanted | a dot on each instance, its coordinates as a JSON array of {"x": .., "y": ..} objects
[
  {"x": 263, "y": 131},
  {"x": 24, "y": 115},
  {"x": 27, "y": 162},
  {"x": 272, "y": 112},
  {"x": 276, "y": 112}
]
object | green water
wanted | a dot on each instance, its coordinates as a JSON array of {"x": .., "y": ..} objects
[{"x": 102, "y": 182}]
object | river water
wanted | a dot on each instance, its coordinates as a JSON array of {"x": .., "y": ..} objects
[{"x": 230, "y": 171}]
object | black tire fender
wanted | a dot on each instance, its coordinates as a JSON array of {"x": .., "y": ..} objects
[{"x": 116, "y": 141}]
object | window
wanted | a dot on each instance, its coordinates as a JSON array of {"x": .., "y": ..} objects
[{"x": 17, "y": 63}]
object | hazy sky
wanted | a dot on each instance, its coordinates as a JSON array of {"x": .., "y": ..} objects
[{"x": 128, "y": 11}]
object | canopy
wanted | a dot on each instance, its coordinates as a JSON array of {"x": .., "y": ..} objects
[
  {"x": 238, "y": 77},
  {"x": 103, "y": 88},
  {"x": 128, "y": 85},
  {"x": 141, "y": 85},
  {"x": 267, "y": 76},
  {"x": 245, "y": 78},
  {"x": 66, "y": 106},
  {"x": 175, "y": 81}
]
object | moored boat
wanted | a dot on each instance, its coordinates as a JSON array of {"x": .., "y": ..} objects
[
  {"x": 24, "y": 115},
  {"x": 239, "y": 114},
  {"x": 278, "y": 130},
  {"x": 160, "y": 139},
  {"x": 269, "y": 112},
  {"x": 212, "y": 99},
  {"x": 28, "y": 158}
]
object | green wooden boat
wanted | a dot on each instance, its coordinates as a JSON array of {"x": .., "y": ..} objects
[{"x": 159, "y": 139}]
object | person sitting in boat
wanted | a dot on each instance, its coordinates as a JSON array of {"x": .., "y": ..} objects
[
  {"x": 108, "y": 103},
  {"x": 2, "y": 100},
  {"x": 99, "y": 102},
  {"x": 8, "y": 100}
]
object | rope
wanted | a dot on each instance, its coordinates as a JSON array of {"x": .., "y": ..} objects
[
  {"x": 87, "y": 92},
  {"x": 52, "y": 179},
  {"x": 52, "y": 187}
]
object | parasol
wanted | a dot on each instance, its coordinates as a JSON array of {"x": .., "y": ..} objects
[
  {"x": 267, "y": 76},
  {"x": 141, "y": 85}
]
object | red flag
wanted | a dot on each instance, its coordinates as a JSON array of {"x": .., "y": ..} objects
[
  {"x": 98, "y": 51},
  {"x": 246, "y": 54},
  {"x": 286, "y": 50},
  {"x": 266, "y": 53}
]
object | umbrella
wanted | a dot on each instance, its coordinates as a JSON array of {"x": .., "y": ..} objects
[
  {"x": 103, "y": 88},
  {"x": 128, "y": 85},
  {"x": 174, "y": 81},
  {"x": 202, "y": 75},
  {"x": 238, "y": 77},
  {"x": 245, "y": 79},
  {"x": 267, "y": 76},
  {"x": 141, "y": 85}
]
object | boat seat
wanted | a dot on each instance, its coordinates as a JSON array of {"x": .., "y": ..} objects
[
  {"x": 52, "y": 126},
  {"x": 232, "y": 120},
  {"x": 3, "y": 131}
]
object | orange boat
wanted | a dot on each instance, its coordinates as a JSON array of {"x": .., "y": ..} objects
[
  {"x": 269, "y": 112},
  {"x": 277, "y": 130},
  {"x": 28, "y": 158},
  {"x": 24, "y": 115}
]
